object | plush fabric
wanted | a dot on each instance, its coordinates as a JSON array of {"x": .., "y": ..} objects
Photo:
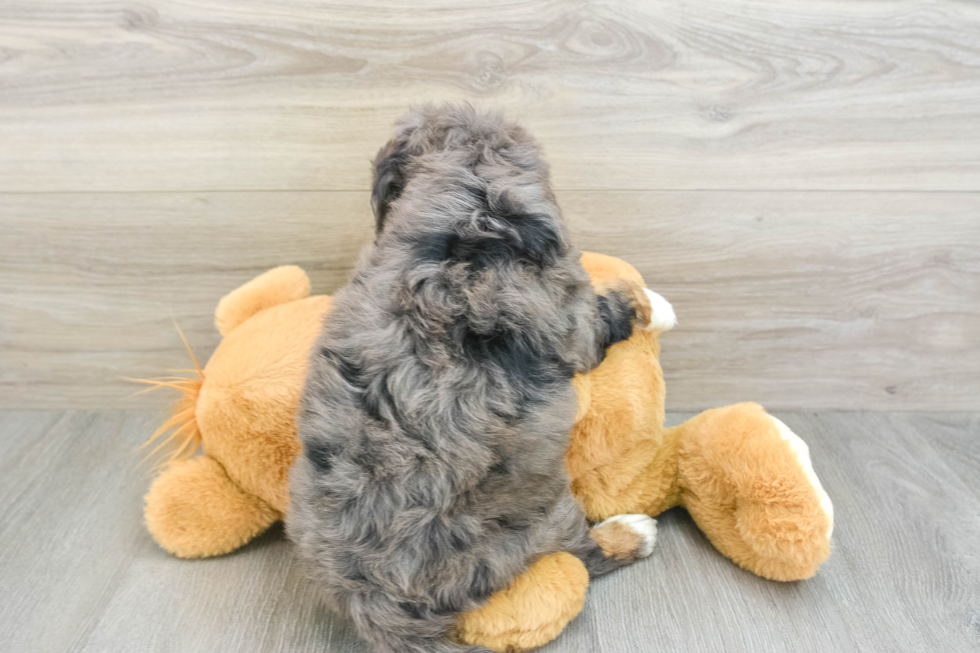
[
  {"x": 195, "y": 511},
  {"x": 286, "y": 283},
  {"x": 533, "y": 610},
  {"x": 251, "y": 393},
  {"x": 744, "y": 477}
]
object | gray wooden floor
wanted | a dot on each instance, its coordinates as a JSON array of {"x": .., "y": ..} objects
[{"x": 79, "y": 573}]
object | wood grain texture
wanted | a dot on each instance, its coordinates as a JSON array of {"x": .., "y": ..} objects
[
  {"x": 92, "y": 285},
  {"x": 297, "y": 95},
  {"x": 795, "y": 300},
  {"x": 137, "y": 136},
  {"x": 79, "y": 573}
]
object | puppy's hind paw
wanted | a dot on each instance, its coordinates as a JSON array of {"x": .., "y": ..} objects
[{"x": 626, "y": 537}]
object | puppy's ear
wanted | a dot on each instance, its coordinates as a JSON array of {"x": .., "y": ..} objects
[{"x": 389, "y": 181}]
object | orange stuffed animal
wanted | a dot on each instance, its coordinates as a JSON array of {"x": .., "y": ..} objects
[{"x": 745, "y": 478}]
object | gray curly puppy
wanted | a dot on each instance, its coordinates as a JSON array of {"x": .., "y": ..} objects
[{"x": 438, "y": 404}]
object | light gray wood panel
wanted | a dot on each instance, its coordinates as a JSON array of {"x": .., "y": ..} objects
[
  {"x": 834, "y": 300},
  {"x": 91, "y": 285},
  {"x": 79, "y": 573},
  {"x": 244, "y": 95},
  {"x": 797, "y": 300}
]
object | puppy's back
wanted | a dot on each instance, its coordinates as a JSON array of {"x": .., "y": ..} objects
[{"x": 438, "y": 402}]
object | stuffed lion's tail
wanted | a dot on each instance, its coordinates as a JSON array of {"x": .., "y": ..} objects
[{"x": 185, "y": 436}]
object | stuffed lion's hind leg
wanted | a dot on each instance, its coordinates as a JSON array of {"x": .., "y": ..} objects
[
  {"x": 193, "y": 510},
  {"x": 747, "y": 481}
]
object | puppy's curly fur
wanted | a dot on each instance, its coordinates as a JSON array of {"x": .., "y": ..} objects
[{"x": 438, "y": 403}]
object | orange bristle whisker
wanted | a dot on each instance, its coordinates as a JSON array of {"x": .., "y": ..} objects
[
  {"x": 187, "y": 449},
  {"x": 188, "y": 427},
  {"x": 185, "y": 388},
  {"x": 165, "y": 379},
  {"x": 184, "y": 436},
  {"x": 184, "y": 451},
  {"x": 190, "y": 351},
  {"x": 179, "y": 418},
  {"x": 184, "y": 447},
  {"x": 165, "y": 442}
]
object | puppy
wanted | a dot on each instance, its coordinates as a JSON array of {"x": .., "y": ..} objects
[{"x": 438, "y": 404}]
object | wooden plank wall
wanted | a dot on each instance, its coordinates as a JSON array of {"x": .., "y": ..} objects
[{"x": 802, "y": 180}]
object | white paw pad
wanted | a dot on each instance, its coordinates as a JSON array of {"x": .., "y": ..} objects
[
  {"x": 662, "y": 317},
  {"x": 645, "y": 527},
  {"x": 803, "y": 456}
]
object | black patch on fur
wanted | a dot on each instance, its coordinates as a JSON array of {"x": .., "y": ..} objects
[
  {"x": 479, "y": 252},
  {"x": 538, "y": 236},
  {"x": 414, "y": 610},
  {"x": 617, "y": 314},
  {"x": 481, "y": 584},
  {"x": 321, "y": 454},
  {"x": 349, "y": 371},
  {"x": 458, "y": 541},
  {"x": 446, "y": 606},
  {"x": 432, "y": 247},
  {"x": 444, "y": 539},
  {"x": 512, "y": 522},
  {"x": 375, "y": 399},
  {"x": 503, "y": 233},
  {"x": 351, "y": 568},
  {"x": 538, "y": 241},
  {"x": 499, "y": 468},
  {"x": 528, "y": 238},
  {"x": 528, "y": 369}
]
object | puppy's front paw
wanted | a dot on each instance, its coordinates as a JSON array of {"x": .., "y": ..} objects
[
  {"x": 662, "y": 317},
  {"x": 626, "y": 537}
]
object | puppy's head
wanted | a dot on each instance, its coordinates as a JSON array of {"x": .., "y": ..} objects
[
  {"x": 468, "y": 186},
  {"x": 447, "y": 140}
]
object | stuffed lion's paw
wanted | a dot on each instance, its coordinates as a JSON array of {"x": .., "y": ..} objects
[{"x": 533, "y": 610}]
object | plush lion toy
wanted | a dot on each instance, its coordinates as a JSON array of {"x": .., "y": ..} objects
[{"x": 744, "y": 477}]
